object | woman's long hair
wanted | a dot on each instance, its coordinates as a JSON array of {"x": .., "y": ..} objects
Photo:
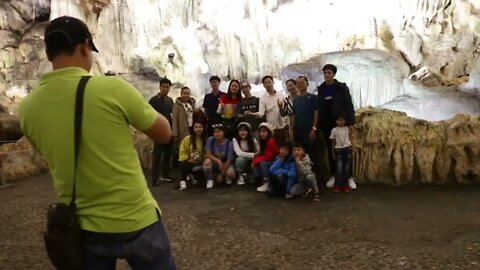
[
  {"x": 263, "y": 143},
  {"x": 238, "y": 95},
  {"x": 193, "y": 135},
  {"x": 250, "y": 139}
]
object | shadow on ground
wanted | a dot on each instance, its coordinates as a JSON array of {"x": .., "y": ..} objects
[{"x": 376, "y": 227}]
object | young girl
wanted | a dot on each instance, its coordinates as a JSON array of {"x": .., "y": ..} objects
[
  {"x": 227, "y": 108},
  {"x": 191, "y": 154},
  {"x": 342, "y": 153},
  {"x": 245, "y": 147},
  {"x": 219, "y": 158},
  {"x": 268, "y": 151}
]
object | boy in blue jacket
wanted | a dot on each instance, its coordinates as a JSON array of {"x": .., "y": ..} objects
[{"x": 283, "y": 172}]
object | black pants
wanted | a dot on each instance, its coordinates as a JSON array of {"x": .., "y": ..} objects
[
  {"x": 331, "y": 162},
  {"x": 230, "y": 126},
  {"x": 302, "y": 135},
  {"x": 161, "y": 152},
  {"x": 277, "y": 185},
  {"x": 195, "y": 169}
]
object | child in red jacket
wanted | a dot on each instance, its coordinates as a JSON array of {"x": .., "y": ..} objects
[{"x": 268, "y": 152}]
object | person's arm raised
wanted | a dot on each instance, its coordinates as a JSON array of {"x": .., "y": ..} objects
[
  {"x": 160, "y": 131},
  {"x": 138, "y": 112}
]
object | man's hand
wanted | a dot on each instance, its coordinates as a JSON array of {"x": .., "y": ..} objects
[
  {"x": 220, "y": 164},
  {"x": 313, "y": 134}
]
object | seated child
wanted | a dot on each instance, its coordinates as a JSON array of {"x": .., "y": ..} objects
[
  {"x": 306, "y": 180},
  {"x": 191, "y": 154},
  {"x": 283, "y": 172},
  {"x": 219, "y": 158},
  {"x": 245, "y": 147},
  {"x": 268, "y": 151}
]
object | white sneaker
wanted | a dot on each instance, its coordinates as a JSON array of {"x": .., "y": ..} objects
[
  {"x": 228, "y": 180},
  {"x": 351, "y": 183},
  {"x": 183, "y": 185},
  {"x": 331, "y": 182},
  {"x": 210, "y": 184},
  {"x": 240, "y": 180},
  {"x": 288, "y": 196},
  {"x": 263, "y": 188}
]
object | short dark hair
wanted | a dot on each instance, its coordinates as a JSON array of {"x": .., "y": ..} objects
[
  {"x": 165, "y": 81},
  {"x": 291, "y": 80},
  {"x": 299, "y": 144},
  {"x": 57, "y": 49},
  {"x": 303, "y": 77},
  {"x": 288, "y": 145},
  {"x": 330, "y": 67},
  {"x": 214, "y": 78},
  {"x": 267, "y": 77}
]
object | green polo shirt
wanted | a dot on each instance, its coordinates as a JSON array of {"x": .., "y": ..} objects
[{"x": 112, "y": 194}]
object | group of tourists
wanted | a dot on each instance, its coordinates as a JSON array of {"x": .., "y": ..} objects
[{"x": 272, "y": 140}]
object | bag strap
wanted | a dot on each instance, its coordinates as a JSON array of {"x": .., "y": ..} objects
[{"x": 78, "y": 133}]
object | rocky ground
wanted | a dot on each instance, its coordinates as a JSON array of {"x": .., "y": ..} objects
[{"x": 376, "y": 227}]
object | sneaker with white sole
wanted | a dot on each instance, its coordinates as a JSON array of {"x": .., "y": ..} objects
[
  {"x": 240, "y": 180},
  {"x": 183, "y": 185},
  {"x": 166, "y": 179},
  {"x": 331, "y": 182},
  {"x": 351, "y": 183},
  {"x": 263, "y": 188},
  {"x": 210, "y": 184},
  {"x": 228, "y": 180},
  {"x": 288, "y": 196}
]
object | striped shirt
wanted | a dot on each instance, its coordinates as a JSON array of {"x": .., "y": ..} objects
[{"x": 287, "y": 108}]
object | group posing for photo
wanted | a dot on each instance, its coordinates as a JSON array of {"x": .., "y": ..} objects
[{"x": 272, "y": 141}]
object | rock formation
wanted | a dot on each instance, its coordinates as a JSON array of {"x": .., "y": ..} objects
[
  {"x": 19, "y": 160},
  {"x": 390, "y": 147}
]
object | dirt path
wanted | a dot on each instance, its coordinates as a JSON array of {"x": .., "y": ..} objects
[{"x": 376, "y": 227}]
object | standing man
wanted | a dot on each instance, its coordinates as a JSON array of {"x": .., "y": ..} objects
[
  {"x": 117, "y": 213},
  {"x": 163, "y": 104},
  {"x": 270, "y": 108},
  {"x": 305, "y": 110},
  {"x": 210, "y": 104},
  {"x": 247, "y": 109},
  {"x": 333, "y": 100}
]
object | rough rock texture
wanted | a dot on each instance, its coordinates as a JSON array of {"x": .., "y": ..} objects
[
  {"x": 248, "y": 39},
  {"x": 22, "y": 51},
  {"x": 144, "y": 147},
  {"x": 19, "y": 160},
  {"x": 390, "y": 147}
]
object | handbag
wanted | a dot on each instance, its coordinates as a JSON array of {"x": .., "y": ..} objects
[{"x": 62, "y": 239}]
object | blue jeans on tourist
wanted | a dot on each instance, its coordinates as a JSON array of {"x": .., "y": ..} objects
[
  {"x": 146, "y": 249},
  {"x": 243, "y": 164},
  {"x": 262, "y": 170},
  {"x": 343, "y": 165}
]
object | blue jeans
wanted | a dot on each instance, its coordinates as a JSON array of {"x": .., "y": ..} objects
[
  {"x": 343, "y": 162},
  {"x": 146, "y": 249},
  {"x": 262, "y": 170}
]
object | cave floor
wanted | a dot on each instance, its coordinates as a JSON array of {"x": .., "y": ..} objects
[{"x": 375, "y": 227}]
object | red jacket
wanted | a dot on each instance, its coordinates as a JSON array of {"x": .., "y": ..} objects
[{"x": 271, "y": 152}]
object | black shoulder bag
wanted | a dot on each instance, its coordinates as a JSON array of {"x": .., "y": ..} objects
[{"x": 63, "y": 236}]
